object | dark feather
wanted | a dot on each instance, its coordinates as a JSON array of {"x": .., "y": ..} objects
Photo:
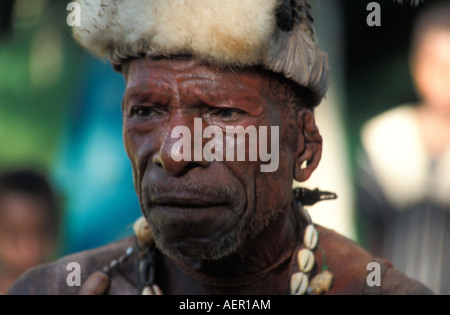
[
  {"x": 284, "y": 14},
  {"x": 310, "y": 197}
]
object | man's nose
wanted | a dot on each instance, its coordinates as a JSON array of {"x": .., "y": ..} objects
[{"x": 181, "y": 149}]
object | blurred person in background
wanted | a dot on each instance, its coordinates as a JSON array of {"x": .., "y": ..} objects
[
  {"x": 404, "y": 178},
  {"x": 61, "y": 109},
  {"x": 28, "y": 224}
]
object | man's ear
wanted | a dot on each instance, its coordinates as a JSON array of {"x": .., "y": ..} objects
[{"x": 309, "y": 145}]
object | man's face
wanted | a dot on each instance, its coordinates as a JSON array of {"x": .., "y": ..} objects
[{"x": 200, "y": 209}]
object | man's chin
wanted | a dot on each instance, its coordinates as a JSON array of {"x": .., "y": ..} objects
[
  {"x": 195, "y": 251},
  {"x": 195, "y": 233},
  {"x": 185, "y": 246}
]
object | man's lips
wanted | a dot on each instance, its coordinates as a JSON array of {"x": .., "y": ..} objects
[
  {"x": 183, "y": 202},
  {"x": 182, "y": 216}
]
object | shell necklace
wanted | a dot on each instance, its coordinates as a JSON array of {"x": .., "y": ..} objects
[{"x": 300, "y": 283}]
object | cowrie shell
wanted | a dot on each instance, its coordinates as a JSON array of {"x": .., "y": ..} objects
[
  {"x": 156, "y": 289},
  {"x": 305, "y": 260},
  {"x": 147, "y": 291},
  {"x": 321, "y": 283},
  {"x": 153, "y": 290},
  {"x": 143, "y": 231},
  {"x": 310, "y": 238},
  {"x": 299, "y": 283}
]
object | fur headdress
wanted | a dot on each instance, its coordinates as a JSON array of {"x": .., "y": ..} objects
[{"x": 276, "y": 34}]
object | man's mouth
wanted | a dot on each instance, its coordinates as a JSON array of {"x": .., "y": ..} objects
[
  {"x": 180, "y": 216},
  {"x": 191, "y": 209},
  {"x": 188, "y": 203}
]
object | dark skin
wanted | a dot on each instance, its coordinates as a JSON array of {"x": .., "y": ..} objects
[
  {"x": 186, "y": 202},
  {"x": 163, "y": 94}
]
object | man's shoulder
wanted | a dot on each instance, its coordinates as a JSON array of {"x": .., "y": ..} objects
[
  {"x": 58, "y": 277},
  {"x": 356, "y": 271}
]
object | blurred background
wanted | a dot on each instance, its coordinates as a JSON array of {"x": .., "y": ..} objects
[{"x": 60, "y": 112}]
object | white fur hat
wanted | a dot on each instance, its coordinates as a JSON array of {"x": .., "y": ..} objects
[{"x": 276, "y": 34}]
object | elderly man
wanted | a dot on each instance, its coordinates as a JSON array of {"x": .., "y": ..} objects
[{"x": 216, "y": 223}]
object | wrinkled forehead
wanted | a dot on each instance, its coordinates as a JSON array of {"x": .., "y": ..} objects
[
  {"x": 147, "y": 73},
  {"x": 150, "y": 69}
]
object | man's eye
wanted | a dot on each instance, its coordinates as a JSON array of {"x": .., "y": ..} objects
[
  {"x": 144, "y": 112},
  {"x": 227, "y": 113}
]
